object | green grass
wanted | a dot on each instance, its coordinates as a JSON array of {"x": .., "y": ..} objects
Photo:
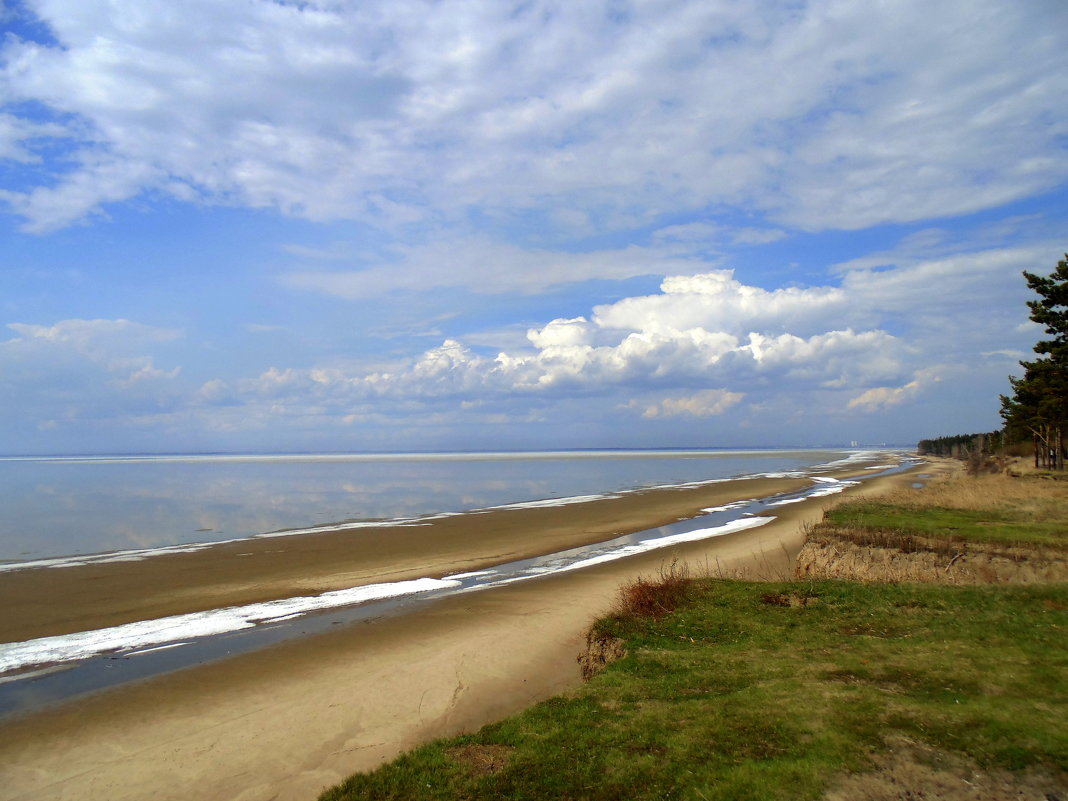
[
  {"x": 752, "y": 690},
  {"x": 993, "y": 526}
]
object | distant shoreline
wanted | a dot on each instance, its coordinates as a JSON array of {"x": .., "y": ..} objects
[{"x": 415, "y": 455}]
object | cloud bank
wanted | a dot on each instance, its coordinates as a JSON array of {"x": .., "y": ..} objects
[
  {"x": 594, "y": 116},
  {"x": 705, "y": 346}
]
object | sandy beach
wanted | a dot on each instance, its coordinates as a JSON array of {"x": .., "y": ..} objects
[{"x": 288, "y": 721}]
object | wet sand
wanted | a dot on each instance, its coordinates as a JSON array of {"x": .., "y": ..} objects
[{"x": 288, "y": 721}]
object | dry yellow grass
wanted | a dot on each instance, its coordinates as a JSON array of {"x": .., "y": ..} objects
[{"x": 1031, "y": 497}]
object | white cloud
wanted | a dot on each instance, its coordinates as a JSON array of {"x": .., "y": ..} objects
[
  {"x": 76, "y": 370},
  {"x": 16, "y": 134},
  {"x": 700, "y": 329},
  {"x": 829, "y": 114},
  {"x": 88, "y": 335},
  {"x": 568, "y": 333},
  {"x": 707, "y": 403},
  {"x": 486, "y": 267},
  {"x": 870, "y": 343},
  {"x": 112, "y": 345},
  {"x": 697, "y": 349},
  {"x": 873, "y": 342},
  {"x": 715, "y": 300},
  {"x": 881, "y": 398}
]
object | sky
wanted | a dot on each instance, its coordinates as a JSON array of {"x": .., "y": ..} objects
[{"x": 478, "y": 224}]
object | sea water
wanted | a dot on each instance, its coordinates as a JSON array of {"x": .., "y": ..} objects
[{"x": 63, "y": 506}]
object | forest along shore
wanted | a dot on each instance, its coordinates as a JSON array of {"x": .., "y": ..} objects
[{"x": 287, "y": 721}]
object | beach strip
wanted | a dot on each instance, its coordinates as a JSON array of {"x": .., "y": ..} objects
[{"x": 287, "y": 721}]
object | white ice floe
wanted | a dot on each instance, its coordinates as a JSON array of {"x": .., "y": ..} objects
[
  {"x": 472, "y": 574},
  {"x": 549, "y": 502},
  {"x": 140, "y": 554},
  {"x": 155, "y": 648},
  {"x": 654, "y": 543},
  {"x": 166, "y": 630},
  {"x": 828, "y": 486},
  {"x": 727, "y": 507},
  {"x": 100, "y": 558}
]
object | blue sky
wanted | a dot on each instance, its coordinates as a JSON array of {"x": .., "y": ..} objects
[{"x": 278, "y": 226}]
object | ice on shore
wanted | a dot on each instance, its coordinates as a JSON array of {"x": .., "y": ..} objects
[{"x": 165, "y": 630}]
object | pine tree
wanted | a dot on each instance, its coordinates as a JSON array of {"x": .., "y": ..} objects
[{"x": 1038, "y": 406}]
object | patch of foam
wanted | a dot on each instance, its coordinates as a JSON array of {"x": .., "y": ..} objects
[
  {"x": 867, "y": 456},
  {"x": 166, "y": 630}
]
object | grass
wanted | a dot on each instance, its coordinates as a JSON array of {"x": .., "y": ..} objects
[
  {"x": 985, "y": 509},
  {"x": 980, "y": 526},
  {"x": 752, "y": 690}
]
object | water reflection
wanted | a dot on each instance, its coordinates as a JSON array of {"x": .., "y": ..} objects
[{"x": 72, "y": 507}]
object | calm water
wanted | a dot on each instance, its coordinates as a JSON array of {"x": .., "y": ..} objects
[{"x": 60, "y": 507}]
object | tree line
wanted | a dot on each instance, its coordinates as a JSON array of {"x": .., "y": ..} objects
[
  {"x": 1036, "y": 412},
  {"x": 960, "y": 446}
]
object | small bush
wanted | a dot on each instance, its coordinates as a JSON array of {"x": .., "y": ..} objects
[{"x": 654, "y": 597}]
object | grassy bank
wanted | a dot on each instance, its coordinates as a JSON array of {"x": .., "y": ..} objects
[
  {"x": 768, "y": 691},
  {"x": 800, "y": 690},
  {"x": 996, "y": 509}
]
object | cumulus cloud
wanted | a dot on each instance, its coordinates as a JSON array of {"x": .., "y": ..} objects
[
  {"x": 698, "y": 329},
  {"x": 706, "y": 345},
  {"x": 399, "y": 112},
  {"x": 716, "y": 300},
  {"x": 868, "y": 343}
]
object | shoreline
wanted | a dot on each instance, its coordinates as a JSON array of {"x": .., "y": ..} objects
[
  {"x": 327, "y": 505},
  {"x": 289, "y": 720},
  {"x": 49, "y": 600}
]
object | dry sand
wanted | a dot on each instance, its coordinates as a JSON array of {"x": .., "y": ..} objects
[{"x": 286, "y": 722}]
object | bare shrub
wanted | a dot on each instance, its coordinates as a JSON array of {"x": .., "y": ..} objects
[{"x": 657, "y": 596}]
